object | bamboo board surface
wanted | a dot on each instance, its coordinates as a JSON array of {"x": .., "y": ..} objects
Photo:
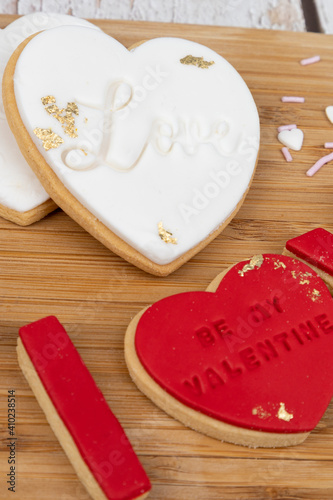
[{"x": 54, "y": 267}]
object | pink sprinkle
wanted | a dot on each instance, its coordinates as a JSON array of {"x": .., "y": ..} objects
[
  {"x": 328, "y": 145},
  {"x": 310, "y": 60},
  {"x": 286, "y": 154},
  {"x": 322, "y": 161},
  {"x": 292, "y": 99},
  {"x": 286, "y": 127}
]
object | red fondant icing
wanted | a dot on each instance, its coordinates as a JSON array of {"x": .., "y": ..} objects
[
  {"x": 261, "y": 340},
  {"x": 81, "y": 405},
  {"x": 315, "y": 247}
]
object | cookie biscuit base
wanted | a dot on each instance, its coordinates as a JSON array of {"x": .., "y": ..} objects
[
  {"x": 29, "y": 217},
  {"x": 57, "y": 425},
  {"x": 64, "y": 199},
  {"x": 194, "y": 419},
  {"x": 60, "y": 430}
]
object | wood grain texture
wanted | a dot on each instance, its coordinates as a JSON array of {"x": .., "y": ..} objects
[
  {"x": 275, "y": 14},
  {"x": 54, "y": 267}
]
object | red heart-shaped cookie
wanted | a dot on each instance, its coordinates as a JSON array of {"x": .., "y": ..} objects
[{"x": 248, "y": 361}]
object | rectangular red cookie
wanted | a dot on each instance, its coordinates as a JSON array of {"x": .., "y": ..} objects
[
  {"x": 315, "y": 247},
  {"x": 81, "y": 406}
]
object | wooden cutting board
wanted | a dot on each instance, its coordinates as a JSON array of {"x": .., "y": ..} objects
[{"x": 54, "y": 267}]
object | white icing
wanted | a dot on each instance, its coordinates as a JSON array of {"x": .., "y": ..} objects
[
  {"x": 20, "y": 189},
  {"x": 158, "y": 141}
]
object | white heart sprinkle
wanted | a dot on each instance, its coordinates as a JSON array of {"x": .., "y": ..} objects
[
  {"x": 329, "y": 113},
  {"x": 293, "y": 139}
]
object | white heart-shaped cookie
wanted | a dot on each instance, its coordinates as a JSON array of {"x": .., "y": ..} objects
[
  {"x": 293, "y": 139},
  {"x": 151, "y": 150},
  {"x": 22, "y": 198},
  {"x": 329, "y": 113}
]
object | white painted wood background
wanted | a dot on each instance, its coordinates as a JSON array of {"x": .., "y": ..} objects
[
  {"x": 276, "y": 14},
  {"x": 271, "y": 14},
  {"x": 325, "y": 15}
]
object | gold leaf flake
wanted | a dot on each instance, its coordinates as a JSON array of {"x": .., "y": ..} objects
[
  {"x": 278, "y": 264},
  {"x": 50, "y": 139},
  {"x": 72, "y": 108},
  {"x": 256, "y": 261},
  {"x": 314, "y": 295},
  {"x": 49, "y": 99},
  {"x": 64, "y": 116},
  {"x": 196, "y": 61},
  {"x": 303, "y": 277},
  {"x": 166, "y": 235},
  {"x": 282, "y": 414},
  {"x": 260, "y": 412},
  {"x": 52, "y": 109}
]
